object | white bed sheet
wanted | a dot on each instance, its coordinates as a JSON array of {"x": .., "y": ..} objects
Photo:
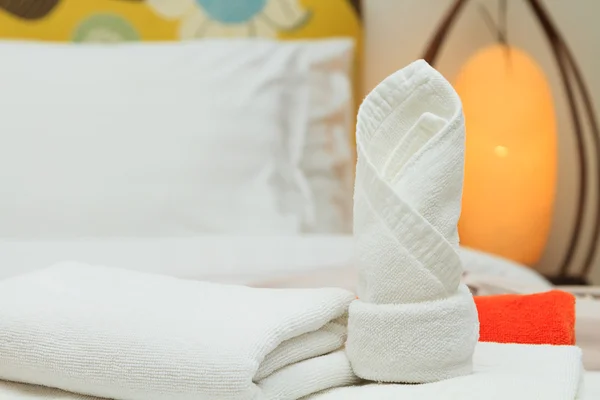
[
  {"x": 591, "y": 387},
  {"x": 267, "y": 261},
  {"x": 284, "y": 261}
]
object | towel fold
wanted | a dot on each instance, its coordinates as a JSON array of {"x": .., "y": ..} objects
[
  {"x": 500, "y": 372},
  {"x": 132, "y": 336},
  {"x": 318, "y": 373},
  {"x": 414, "y": 321},
  {"x": 540, "y": 318}
]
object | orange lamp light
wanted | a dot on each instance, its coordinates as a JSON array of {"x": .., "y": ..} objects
[{"x": 511, "y": 156}]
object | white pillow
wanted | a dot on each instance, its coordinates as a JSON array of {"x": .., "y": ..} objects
[
  {"x": 152, "y": 139},
  {"x": 328, "y": 158}
]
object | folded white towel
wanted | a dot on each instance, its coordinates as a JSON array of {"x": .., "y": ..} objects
[
  {"x": 414, "y": 321},
  {"x": 133, "y": 336},
  {"x": 318, "y": 373},
  {"x": 501, "y": 372}
]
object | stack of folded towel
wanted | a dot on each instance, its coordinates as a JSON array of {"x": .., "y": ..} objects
[
  {"x": 127, "y": 335},
  {"x": 124, "y": 335}
]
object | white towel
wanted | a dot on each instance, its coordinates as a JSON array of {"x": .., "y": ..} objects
[
  {"x": 501, "y": 372},
  {"x": 133, "y": 336},
  {"x": 414, "y": 322},
  {"x": 317, "y": 373}
]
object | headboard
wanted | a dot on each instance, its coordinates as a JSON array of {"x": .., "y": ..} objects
[{"x": 151, "y": 20}]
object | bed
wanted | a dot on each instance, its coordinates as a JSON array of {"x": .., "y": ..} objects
[{"x": 134, "y": 213}]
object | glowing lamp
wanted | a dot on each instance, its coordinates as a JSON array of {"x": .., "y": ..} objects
[
  {"x": 511, "y": 146},
  {"x": 511, "y": 155}
]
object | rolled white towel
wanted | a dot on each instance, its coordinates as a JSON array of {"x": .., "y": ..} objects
[
  {"x": 132, "y": 336},
  {"x": 414, "y": 321}
]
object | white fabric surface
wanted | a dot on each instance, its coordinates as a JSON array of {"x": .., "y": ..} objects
[
  {"x": 131, "y": 336},
  {"x": 266, "y": 261},
  {"x": 414, "y": 321},
  {"x": 591, "y": 384},
  {"x": 328, "y": 157},
  {"x": 517, "y": 278},
  {"x": 19, "y": 391},
  {"x": 272, "y": 261},
  {"x": 179, "y": 139},
  {"x": 587, "y": 332},
  {"x": 501, "y": 372},
  {"x": 589, "y": 391},
  {"x": 283, "y": 262}
]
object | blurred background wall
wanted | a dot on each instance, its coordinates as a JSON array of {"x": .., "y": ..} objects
[{"x": 397, "y": 32}]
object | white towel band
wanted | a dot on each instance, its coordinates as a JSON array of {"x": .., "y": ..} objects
[{"x": 382, "y": 339}]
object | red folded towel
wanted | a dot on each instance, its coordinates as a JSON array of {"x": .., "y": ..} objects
[{"x": 540, "y": 318}]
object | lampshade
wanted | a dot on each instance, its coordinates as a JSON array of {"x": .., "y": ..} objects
[{"x": 511, "y": 155}]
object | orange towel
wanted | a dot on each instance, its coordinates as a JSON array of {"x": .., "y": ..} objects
[{"x": 541, "y": 318}]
